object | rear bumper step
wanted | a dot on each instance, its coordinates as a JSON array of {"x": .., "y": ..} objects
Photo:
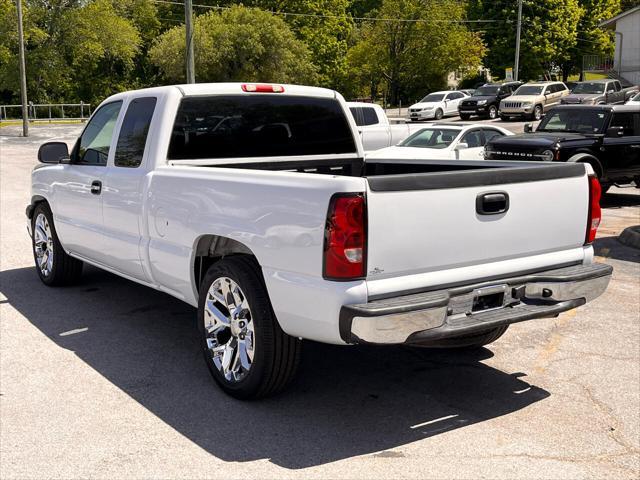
[{"x": 431, "y": 316}]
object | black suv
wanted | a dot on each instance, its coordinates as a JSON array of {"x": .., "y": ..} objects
[
  {"x": 605, "y": 136},
  {"x": 485, "y": 101}
]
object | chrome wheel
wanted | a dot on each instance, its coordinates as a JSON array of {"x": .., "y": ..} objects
[
  {"x": 229, "y": 329},
  {"x": 43, "y": 244}
]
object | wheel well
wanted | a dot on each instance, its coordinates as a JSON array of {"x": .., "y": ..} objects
[
  {"x": 35, "y": 201},
  {"x": 584, "y": 157},
  {"x": 212, "y": 248}
]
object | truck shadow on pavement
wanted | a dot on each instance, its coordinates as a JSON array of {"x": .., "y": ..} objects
[{"x": 345, "y": 402}]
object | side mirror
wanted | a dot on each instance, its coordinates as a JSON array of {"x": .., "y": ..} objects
[
  {"x": 528, "y": 128},
  {"x": 615, "y": 132},
  {"x": 462, "y": 146},
  {"x": 53, "y": 152}
]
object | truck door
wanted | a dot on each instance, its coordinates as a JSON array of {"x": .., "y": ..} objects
[
  {"x": 78, "y": 199},
  {"x": 622, "y": 154},
  {"x": 123, "y": 190}
]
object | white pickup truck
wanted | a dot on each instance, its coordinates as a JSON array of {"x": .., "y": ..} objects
[
  {"x": 375, "y": 130},
  {"x": 252, "y": 202}
]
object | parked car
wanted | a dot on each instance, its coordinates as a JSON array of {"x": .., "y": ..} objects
[
  {"x": 599, "y": 92},
  {"x": 436, "y": 105},
  {"x": 375, "y": 130},
  {"x": 485, "y": 101},
  {"x": 634, "y": 99},
  {"x": 252, "y": 202},
  {"x": 604, "y": 136},
  {"x": 531, "y": 100},
  {"x": 453, "y": 141}
]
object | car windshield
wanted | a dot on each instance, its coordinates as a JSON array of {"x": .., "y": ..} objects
[
  {"x": 485, "y": 91},
  {"x": 636, "y": 98},
  {"x": 588, "y": 87},
  {"x": 431, "y": 138},
  {"x": 573, "y": 120},
  {"x": 529, "y": 90},
  {"x": 433, "y": 97}
]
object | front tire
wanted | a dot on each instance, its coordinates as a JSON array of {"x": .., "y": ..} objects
[
  {"x": 493, "y": 112},
  {"x": 504, "y": 118},
  {"x": 439, "y": 114},
  {"x": 465, "y": 116},
  {"x": 537, "y": 113},
  {"x": 246, "y": 351},
  {"x": 54, "y": 266}
]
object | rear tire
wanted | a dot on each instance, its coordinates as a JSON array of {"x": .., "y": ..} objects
[
  {"x": 236, "y": 321},
  {"x": 475, "y": 340},
  {"x": 55, "y": 268}
]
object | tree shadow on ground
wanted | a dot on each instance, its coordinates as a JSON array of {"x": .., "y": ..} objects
[{"x": 346, "y": 401}]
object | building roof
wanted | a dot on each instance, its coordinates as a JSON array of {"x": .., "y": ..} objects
[{"x": 611, "y": 23}]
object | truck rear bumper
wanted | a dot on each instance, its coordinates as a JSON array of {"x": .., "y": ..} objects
[{"x": 425, "y": 318}]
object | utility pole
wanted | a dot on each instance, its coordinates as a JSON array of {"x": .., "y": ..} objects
[
  {"x": 188, "y": 23},
  {"x": 23, "y": 74},
  {"x": 517, "y": 62}
]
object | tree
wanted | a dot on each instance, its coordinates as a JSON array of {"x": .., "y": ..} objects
[
  {"x": 549, "y": 33},
  {"x": 325, "y": 26},
  {"x": 236, "y": 44},
  {"x": 591, "y": 38},
  {"x": 414, "y": 56}
]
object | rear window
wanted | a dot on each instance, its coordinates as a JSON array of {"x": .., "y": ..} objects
[{"x": 261, "y": 125}]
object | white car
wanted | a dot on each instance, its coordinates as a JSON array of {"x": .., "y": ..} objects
[
  {"x": 634, "y": 100},
  {"x": 252, "y": 202},
  {"x": 436, "y": 105},
  {"x": 452, "y": 141}
]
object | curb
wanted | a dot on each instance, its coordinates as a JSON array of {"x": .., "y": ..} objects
[{"x": 630, "y": 236}]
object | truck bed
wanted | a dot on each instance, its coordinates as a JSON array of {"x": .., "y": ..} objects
[{"x": 394, "y": 175}]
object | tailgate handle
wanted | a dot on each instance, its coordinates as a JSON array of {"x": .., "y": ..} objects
[{"x": 492, "y": 203}]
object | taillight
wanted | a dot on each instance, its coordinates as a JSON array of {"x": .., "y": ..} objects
[
  {"x": 595, "y": 214},
  {"x": 262, "y": 88},
  {"x": 345, "y": 238}
]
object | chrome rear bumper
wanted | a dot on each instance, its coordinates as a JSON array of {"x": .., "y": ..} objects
[{"x": 431, "y": 316}]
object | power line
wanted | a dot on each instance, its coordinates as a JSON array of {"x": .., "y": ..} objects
[{"x": 344, "y": 17}]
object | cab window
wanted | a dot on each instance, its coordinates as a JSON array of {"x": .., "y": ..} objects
[
  {"x": 94, "y": 143},
  {"x": 133, "y": 133}
]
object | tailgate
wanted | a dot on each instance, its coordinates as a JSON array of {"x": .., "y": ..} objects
[{"x": 435, "y": 221}]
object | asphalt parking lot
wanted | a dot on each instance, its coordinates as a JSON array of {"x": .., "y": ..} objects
[{"x": 104, "y": 380}]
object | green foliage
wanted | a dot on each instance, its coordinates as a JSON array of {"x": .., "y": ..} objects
[
  {"x": 238, "y": 44},
  {"x": 324, "y": 26},
  {"x": 411, "y": 58},
  {"x": 555, "y": 33}
]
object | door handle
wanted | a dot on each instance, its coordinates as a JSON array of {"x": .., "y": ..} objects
[
  {"x": 492, "y": 203},
  {"x": 96, "y": 187}
]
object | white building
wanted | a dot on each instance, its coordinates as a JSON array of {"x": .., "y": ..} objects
[{"x": 626, "y": 61}]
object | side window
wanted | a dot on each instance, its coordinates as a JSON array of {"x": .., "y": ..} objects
[
  {"x": 489, "y": 133},
  {"x": 133, "y": 133},
  {"x": 473, "y": 139},
  {"x": 456, "y": 95},
  {"x": 617, "y": 86},
  {"x": 357, "y": 115},
  {"x": 369, "y": 116},
  {"x": 93, "y": 146},
  {"x": 611, "y": 87},
  {"x": 629, "y": 121}
]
